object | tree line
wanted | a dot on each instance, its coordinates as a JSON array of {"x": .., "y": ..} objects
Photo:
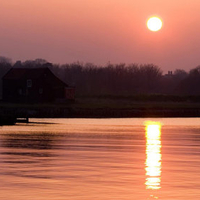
[{"x": 116, "y": 79}]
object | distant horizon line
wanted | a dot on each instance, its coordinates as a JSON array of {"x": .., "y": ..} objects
[{"x": 14, "y": 61}]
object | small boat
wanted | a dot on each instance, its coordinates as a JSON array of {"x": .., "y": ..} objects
[
  {"x": 22, "y": 120},
  {"x": 7, "y": 120}
]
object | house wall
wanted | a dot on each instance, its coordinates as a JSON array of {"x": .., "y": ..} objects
[
  {"x": 70, "y": 93},
  {"x": 17, "y": 91},
  {"x": 11, "y": 90},
  {"x": 45, "y": 88}
]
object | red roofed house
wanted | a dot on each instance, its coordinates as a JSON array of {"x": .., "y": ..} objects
[{"x": 35, "y": 85}]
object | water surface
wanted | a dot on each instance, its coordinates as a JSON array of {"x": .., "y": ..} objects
[{"x": 102, "y": 159}]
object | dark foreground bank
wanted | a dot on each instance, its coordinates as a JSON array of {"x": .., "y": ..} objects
[{"x": 97, "y": 107}]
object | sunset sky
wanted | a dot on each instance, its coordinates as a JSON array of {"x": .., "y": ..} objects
[{"x": 101, "y": 31}]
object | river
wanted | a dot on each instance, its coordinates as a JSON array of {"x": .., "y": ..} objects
[{"x": 101, "y": 159}]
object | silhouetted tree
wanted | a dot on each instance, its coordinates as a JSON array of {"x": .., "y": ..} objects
[
  {"x": 117, "y": 79},
  {"x": 190, "y": 84},
  {"x": 5, "y": 65}
]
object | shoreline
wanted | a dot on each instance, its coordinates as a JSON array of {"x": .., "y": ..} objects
[
  {"x": 12, "y": 119},
  {"x": 99, "y": 108},
  {"x": 17, "y": 112}
]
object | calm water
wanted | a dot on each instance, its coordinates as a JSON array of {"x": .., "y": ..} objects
[{"x": 101, "y": 159}]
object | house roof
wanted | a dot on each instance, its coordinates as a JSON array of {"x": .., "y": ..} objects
[
  {"x": 30, "y": 73},
  {"x": 21, "y": 73}
]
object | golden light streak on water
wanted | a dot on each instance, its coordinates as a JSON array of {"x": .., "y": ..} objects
[{"x": 153, "y": 155}]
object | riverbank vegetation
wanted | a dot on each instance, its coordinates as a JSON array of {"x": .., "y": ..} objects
[
  {"x": 115, "y": 90},
  {"x": 117, "y": 79},
  {"x": 109, "y": 106}
]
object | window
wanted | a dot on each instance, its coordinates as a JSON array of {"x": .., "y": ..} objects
[
  {"x": 20, "y": 91},
  {"x": 41, "y": 91},
  {"x": 29, "y": 83}
]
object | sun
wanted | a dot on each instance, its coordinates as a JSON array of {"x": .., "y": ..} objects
[{"x": 154, "y": 24}]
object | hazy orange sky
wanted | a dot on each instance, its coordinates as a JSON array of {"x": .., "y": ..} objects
[{"x": 101, "y": 31}]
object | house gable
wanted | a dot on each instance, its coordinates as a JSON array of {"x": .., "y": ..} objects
[{"x": 32, "y": 85}]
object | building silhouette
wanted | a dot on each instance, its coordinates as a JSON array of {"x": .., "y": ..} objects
[{"x": 34, "y": 85}]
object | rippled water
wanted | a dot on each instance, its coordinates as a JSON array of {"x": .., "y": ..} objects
[{"x": 101, "y": 159}]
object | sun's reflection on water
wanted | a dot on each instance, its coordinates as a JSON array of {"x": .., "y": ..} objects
[{"x": 153, "y": 155}]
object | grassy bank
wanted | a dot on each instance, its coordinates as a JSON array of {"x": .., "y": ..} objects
[{"x": 110, "y": 106}]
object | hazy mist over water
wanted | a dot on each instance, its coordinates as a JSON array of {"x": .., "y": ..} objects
[{"x": 104, "y": 159}]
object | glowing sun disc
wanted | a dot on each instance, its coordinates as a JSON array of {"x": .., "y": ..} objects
[{"x": 154, "y": 24}]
